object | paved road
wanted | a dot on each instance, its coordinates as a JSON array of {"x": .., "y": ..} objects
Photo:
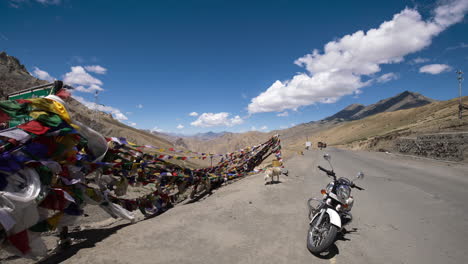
[{"x": 412, "y": 211}]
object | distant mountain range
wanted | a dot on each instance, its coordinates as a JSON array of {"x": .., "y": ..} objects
[
  {"x": 210, "y": 135},
  {"x": 404, "y": 100}
]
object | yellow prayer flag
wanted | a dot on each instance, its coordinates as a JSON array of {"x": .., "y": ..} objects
[
  {"x": 54, "y": 220},
  {"x": 91, "y": 193},
  {"x": 36, "y": 114},
  {"x": 51, "y": 106}
]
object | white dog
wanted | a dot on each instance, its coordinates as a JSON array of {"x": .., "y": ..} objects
[{"x": 270, "y": 173}]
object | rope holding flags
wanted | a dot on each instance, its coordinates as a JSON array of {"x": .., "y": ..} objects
[{"x": 122, "y": 140}]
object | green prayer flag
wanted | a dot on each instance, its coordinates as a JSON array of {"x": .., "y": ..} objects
[
  {"x": 12, "y": 108},
  {"x": 51, "y": 120},
  {"x": 45, "y": 174},
  {"x": 42, "y": 226}
]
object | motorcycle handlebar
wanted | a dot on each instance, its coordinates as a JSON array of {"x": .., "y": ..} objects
[
  {"x": 330, "y": 173},
  {"x": 357, "y": 187}
]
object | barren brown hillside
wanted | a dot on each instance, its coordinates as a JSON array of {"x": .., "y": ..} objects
[{"x": 379, "y": 131}]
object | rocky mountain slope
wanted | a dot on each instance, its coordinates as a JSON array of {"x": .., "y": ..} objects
[
  {"x": 347, "y": 113},
  {"x": 404, "y": 100},
  {"x": 14, "y": 76},
  {"x": 378, "y": 132}
]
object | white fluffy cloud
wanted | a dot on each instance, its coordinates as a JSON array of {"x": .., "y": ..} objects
[
  {"x": 157, "y": 129},
  {"x": 263, "y": 128},
  {"x": 418, "y": 60},
  {"x": 108, "y": 109},
  {"x": 43, "y": 75},
  {"x": 180, "y": 126},
  {"x": 132, "y": 124},
  {"x": 435, "y": 68},
  {"x": 82, "y": 80},
  {"x": 237, "y": 120},
  {"x": 90, "y": 89},
  {"x": 218, "y": 119},
  {"x": 49, "y": 2},
  {"x": 338, "y": 71},
  {"x": 387, "y": 77},
  {"x": 285, "y": 113},
  {"x": 96, "y": 69},
  {"x": 193, "y": 114},
  {"x": 139, "y": 106},
  {"x": 17, "y": 3},
  {"x": 459, "y": 46}
]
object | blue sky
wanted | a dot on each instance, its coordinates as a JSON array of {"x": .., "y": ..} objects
[{"x": 240, "y": 65}]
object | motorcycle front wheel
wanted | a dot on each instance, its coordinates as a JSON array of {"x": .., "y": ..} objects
[{"x": 321, "y": 239}]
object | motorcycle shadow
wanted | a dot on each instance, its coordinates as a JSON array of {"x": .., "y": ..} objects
[
  {"x": 329, "y": 253},
  {"x": 333, "y": 250}
]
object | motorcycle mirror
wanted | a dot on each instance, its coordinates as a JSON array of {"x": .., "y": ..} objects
[
  {"x": 360, "y": 175},
  {"x": 327, "y": 157}
]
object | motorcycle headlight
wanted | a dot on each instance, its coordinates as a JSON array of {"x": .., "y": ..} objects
[
  {"x": 329, "y": 187},
  {"x": 343, "y": 192}
]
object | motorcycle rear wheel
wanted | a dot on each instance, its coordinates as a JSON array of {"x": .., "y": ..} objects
[{"x": 326, "y": 240}]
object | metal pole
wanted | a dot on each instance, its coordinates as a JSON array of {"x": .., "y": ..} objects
[
  {"x": 96, "y": 111},
  {"x": 460, "y": 105}
]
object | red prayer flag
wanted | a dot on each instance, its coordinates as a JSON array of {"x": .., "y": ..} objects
[
  {"x": 55, "y": 200},
  {"x": 63, "y": 93},
  {"x": 34, "y": 127},
  {"x": 20, "y": 241},
  {"x": 23, "y": 101},
  {"x": 4, "y": 117}
]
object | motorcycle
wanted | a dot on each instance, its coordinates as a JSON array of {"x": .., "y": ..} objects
[{"x": 333, "y": 211}]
